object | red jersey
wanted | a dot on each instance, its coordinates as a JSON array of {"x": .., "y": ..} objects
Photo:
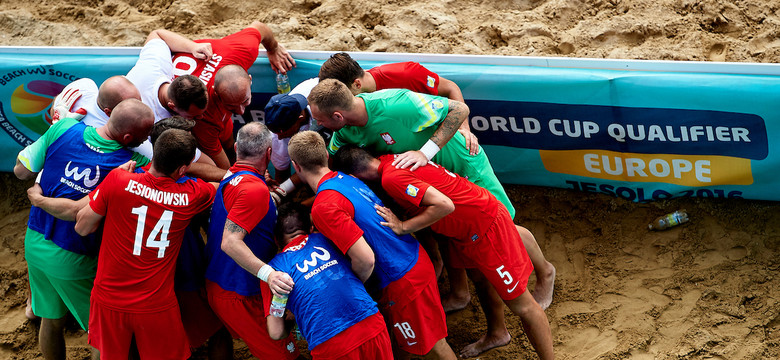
[
  {"x": 246, "y": 201},
  {"x": 332, "y": 214},
  {"x": 240, "y": 49},
  {"x": 406, "y": 75},
  {"x": 475, "y": 207},
  {"x": 145, "y": 222}
]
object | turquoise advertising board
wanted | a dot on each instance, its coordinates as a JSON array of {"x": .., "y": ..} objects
[{"x": 668, "y": 130}]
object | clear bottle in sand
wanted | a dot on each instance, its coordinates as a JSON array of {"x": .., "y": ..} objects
[
  {"x": 664, "y": 222},
  {"x": 282, "y": 83}
]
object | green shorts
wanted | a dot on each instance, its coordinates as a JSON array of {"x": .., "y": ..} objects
[
  {"x": 60, "y": 280},
  {"x": 52, "y": 298}
]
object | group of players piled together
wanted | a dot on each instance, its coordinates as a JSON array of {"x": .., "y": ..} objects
[{"x": 149, "y": 285}]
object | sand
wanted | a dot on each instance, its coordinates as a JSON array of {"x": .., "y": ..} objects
[{"x": 704, "y": 290}]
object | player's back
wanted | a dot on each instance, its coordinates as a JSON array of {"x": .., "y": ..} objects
[
  {"x": 475, "y": 207},
  {"x": 146, "y": 218},
  {"x": 395, "y": 255},
  {"x": 327, "y": 297}
]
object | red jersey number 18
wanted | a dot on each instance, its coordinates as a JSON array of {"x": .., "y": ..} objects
[{"x": 162, "y": 227}]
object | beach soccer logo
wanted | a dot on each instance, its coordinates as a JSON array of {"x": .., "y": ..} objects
[
  {"x": 30, "y": 103},
  {"x": 26, "y": 95}
]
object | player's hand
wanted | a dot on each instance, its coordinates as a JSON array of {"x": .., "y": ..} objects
[
  {"x": 202, "y": 51},
  {"x": 62, "y": 106},
  {"x": 281, "y": 60},
  {"x": 35, "y": 194},
  {"x": 391, "y": 220},
  {"x": 280, "y": 283},
  {"x": 129, "y": 166},
  {"x": 414, "y": 158},
  {"x": 472, "y": 144}
]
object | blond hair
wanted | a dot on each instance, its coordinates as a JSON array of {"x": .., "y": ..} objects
[
  {"x": 331, "y": 95},
  {"x": 307, "y": 149}
]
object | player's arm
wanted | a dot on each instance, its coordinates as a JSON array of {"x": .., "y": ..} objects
[
  {"x": 277, "y": 327},
  {"x": 362, "y": 258},
  {"x": 281, "y": 61},
  {"x": 87, "y": 221},
  {"x": 233, "y": 244},
  {"x": 61, "y": 208},
  {"x": 451, "y": 90},
  {"x": 456, "y": 115},
  {"x": 206, "y": 172},
  {"x": 436, "y": 206},
  {"x": 179, "y": 43},
  {"x": 22, "y": 172}
]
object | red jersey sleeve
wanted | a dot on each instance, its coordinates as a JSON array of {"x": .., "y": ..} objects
[
  {"x": 332, "y": 214},
  {"x": 240, "y": 48},
  {"x": 247, "y": 203},
  {"x": 406, "y": 75},
  {"x": 204, "y": 195},
  {"x": 403, "y": 186},
  {"x": 98, "y": 198}
]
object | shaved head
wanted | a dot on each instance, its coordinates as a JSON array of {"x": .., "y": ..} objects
[
  {"x": 233, "y": 88},
  {"x": 231, "y": 79},
  {"x": 114, "y": 90},
  {"x": 131, "y": 122}
]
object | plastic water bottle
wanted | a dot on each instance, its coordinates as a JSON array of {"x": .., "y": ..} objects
[
  {"x": 278, "y": 303},
  {"x": 282, "y": 83},
  {"x": 664, "y": 222}
]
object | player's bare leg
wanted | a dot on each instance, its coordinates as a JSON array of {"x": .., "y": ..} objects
[
  {"x": 94, "y": 354},
  {"x": 459, "y": 296},
  {"x": 28, "y": 312},
  {"x": 442, "y": 350},
  {"x": 497, "y": 334},
  {"x": 545, "y": 271},
  {"x": 535, "y": 324},
  {"x": 52, "y": 338}
]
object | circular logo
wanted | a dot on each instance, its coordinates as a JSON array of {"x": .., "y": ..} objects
[{"x": 30, "y": 103}]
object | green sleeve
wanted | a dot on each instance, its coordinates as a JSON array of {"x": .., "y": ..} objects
[
  {"x": 34, "y": 155},
  {"x": 140, "y": 160},
  {"x": 428, "y": 111},
  {"x": 336, "y": 142}
]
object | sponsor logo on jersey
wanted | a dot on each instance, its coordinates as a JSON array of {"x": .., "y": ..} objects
[
  {"x": 431, "y": 81},
  {"x": 411, "y": 190},
  {"x": 323, "y": 255},
  {"x": 234, "y": 181},
  {"x": 77, "y": 175},
  {"x": 387, "y": 138}
]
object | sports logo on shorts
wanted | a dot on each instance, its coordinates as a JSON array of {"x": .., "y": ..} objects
[
  {"x": 437, "y": 104},
  {"x": 411, "y": 190},
  {"x": 431, "y": 81},
  {"x": 387, "y": 138}
]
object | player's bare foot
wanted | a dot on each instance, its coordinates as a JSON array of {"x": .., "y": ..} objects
[
  {"x": 28, "y": 310},
  {"x": 484, "y": 344},
  {"x": 543, "y": 290},
  {"x": 453, "y": 302}
]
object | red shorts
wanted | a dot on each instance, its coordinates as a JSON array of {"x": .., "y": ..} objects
[
  {"x": 158, "y": 335},
  {"x": 412, "y": 308},
  {"x": 367, "y": 339},
  {"x": 196, "y": 315},
  {"x": 500, "y": 255},
  {"x": 244, "y": 317}
]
